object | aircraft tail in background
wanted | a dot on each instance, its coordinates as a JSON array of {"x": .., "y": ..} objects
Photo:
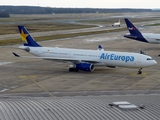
[{"x": 134, "y": 32}]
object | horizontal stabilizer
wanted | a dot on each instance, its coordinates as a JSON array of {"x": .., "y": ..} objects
[{"x": 16, "y": 54}]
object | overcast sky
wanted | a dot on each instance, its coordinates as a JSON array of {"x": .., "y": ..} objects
[{"x": 86, "y": 3}]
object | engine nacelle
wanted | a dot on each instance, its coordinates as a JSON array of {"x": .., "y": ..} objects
[{"x": 85, "y": 66}]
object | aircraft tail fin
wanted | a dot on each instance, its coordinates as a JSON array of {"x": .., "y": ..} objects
[
  {"x": 134, "y": 32},
  {"x": 132, "y": 29},
  {"x": 27, "y": 38}
]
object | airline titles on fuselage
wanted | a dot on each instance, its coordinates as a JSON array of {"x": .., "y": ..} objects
[{"x": 107, "y": 56}]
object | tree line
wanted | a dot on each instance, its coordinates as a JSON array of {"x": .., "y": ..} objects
[
  {"x": 4, "y": 14},
  {"x": 49, "y": 10}
]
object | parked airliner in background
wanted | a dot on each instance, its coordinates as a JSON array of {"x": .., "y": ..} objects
[
  {"x": 142, "y": 37},
  {"x": 82, "y": 59},
  {"x": 117, "y": 24}
]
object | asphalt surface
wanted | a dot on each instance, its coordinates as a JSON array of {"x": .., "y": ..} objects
[{"x": 32, "y": 76}]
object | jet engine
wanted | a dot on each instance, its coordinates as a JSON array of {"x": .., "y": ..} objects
[{"x": 85, "y": 66}]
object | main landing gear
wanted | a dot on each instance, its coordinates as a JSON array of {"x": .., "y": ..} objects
[
  {"x": 140, "y": 71},
  {"x": 73, "y": 69}
]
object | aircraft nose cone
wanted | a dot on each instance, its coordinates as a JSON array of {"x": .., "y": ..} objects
[{"x": 154, "y": 62}]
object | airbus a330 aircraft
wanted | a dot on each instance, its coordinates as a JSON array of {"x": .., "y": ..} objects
[
  {"x": 82, "y": 59},
  {"x": 117, "y": 24},
  {"x": 142, "y": 37}
]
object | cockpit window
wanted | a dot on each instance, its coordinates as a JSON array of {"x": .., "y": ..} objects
[{"x": 149, "y": 59}]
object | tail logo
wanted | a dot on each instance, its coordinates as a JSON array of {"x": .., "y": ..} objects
[
  {"x": 24, "y": 36},
  {"x": 132, "y": 28}
]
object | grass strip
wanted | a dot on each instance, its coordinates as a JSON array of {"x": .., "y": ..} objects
[
  {"x": 59, "y": 36},
  {"x": 155, "y": 24},
  {"x": 12, "y": 29}
]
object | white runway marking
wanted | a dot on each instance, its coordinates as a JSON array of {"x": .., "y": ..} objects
[
  {"x": 4, "y": 63},
  {"x": 3, "y": 90}
]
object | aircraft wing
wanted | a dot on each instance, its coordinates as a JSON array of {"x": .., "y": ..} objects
[{"x": 73, "y": 60}]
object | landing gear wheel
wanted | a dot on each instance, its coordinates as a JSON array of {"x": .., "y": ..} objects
[
  {"x": 70, "y": 69},
  {"x": 140, "y": 71}
]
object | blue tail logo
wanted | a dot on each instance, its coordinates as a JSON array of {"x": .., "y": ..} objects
[
  {"x": 27, "y": 38},
  {"x": 132, "y": 28}
]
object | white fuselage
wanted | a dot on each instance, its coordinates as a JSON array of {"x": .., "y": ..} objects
[
  {"x": 116, "y": 24},
  {"x": 107, "y": 58},
  {"x": 152, "y": 38}
]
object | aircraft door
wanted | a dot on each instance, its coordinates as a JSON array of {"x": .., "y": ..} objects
[
  {"x": 69, "y": 55},
  {"x": 138, "y": 59}
]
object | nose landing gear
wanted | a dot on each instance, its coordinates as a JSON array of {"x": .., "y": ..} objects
[{"x": 140, "y": 71}]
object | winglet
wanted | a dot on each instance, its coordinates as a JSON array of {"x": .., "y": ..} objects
[
  {"x": 16, "y": 55},
  {"x": 100, "y": 47}
]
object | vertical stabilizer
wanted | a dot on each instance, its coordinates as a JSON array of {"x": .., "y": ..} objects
[
  {"x": 132, "y": 29},
  {"x": 119, "y": 21},
  {"x": 134, "y": 32},
  {"x": 27, "y": 38}
]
